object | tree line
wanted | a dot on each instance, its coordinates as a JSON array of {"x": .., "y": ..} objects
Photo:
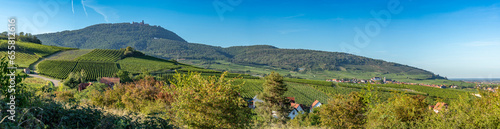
[{"x": 21, "y": 36}]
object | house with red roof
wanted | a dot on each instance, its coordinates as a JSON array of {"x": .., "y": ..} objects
[
  {"x": 83, "y": 86},
  {"x": 251, "y": 102},
  {"x": 315, "y": 104},
  {"x": 297, "y": 108},
  {"x": 110, "y": 81},
  {"x": 440, "y": 106}
]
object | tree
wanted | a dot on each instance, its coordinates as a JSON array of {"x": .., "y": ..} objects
[
  {"x": 400, "y": 111},
  {"x": 274, "y": 101},
  {"x": 124, "y": 76},
  {"x": 75, "y": 78},
  {"x": 207, "y": 102},
  {"x": 344, "y": 111}
]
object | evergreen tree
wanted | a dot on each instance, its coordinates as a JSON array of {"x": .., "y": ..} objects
[{"x": 275, "y": 107}]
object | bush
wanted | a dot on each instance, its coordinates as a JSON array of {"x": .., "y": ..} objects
[
  {"x": 84, "y": 94},
  {"x": 208, "y": 102},
  {"x": 65, "y": 96},
  {"x": 400, "y": 111},
  {"x": 146, "y": 95},
  {"x": 468, "y": 111},
  {"x": 344, "y": 111}
]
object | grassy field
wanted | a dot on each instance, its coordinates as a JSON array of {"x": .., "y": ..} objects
[{"x": 69, "y": 55}]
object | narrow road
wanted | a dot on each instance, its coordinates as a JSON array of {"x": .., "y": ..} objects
[
  {"x": 56, "y": 82},
  {"x": 34, "y": 74}
]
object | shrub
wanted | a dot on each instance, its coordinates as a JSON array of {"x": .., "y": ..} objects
[
  {"x": 208, "y": 102},
  {"x": 344, "y": 111},
  {"x": 65, "y": 96},
  {"x": 400, "y": 111},
  {"x": 468, "y": 111},
  {"x": 146, "y": 95}
]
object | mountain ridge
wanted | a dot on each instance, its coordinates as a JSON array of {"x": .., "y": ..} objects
[{"x": 160, "y": 42}]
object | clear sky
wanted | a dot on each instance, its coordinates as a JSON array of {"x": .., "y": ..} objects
[{"x": 457, "y": 39}]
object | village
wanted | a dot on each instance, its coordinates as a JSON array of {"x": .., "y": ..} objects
[{"x": 379, "y": 80}]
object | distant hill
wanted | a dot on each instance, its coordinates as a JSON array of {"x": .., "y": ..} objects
[
  {"x": 159, "y": 42},
  {"x": 109, "y": 36}
]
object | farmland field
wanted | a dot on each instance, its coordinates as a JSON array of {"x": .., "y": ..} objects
[
  {"x": 303, "y": 93},
  {"x": 61, "y": 69},
  {"x": 69, "y": 55},
  {"x": 56, "y": 69},
  {"x": 102, "y": 55},
  {"x": 96, "y": 69},
  {"x": 32, "y": 48},
  {"x": 22, "y": 59},
  {"x": 145, "y": 63}
]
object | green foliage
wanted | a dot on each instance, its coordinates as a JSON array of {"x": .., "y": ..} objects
[
  {"x": 102, "y": 55},
  {"x": 400, "y": 111},
  {"x": 275, "y": 103},
  {"x": 344, "y": 112},
  {"x": 467, "y": 112},
  {"x": 7, "y": 89},
  {"x": 146, "y": 95},
  {"x": 208, "y": 102},
  {"x": 86, "y": 93},
  {"x": 124, "y": 76},
  {"x": 75, "y": 78},
  {"x": 51, "y": 114},
  {"x": 306, "y": 119},
  {"x": 56, "y": 69}
]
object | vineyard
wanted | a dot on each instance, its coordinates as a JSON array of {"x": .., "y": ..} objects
[
  {"x": 305, "y": 81},
  {"x": 32, "y": 48},
  {"x": 61, "y": 69},
  {"x": 303, "y": 94},
  {"x": 102, "y": 55},
  {"x": 96, "y": 69},
  {"x": 69, "y": 55},
  {"x": 22, "y": 59},
  {"x": 56, "y": 69},
  {"x": 146, "y": 63}
]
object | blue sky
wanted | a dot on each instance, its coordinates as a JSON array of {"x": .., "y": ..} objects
[{"x": 459, "y": 39}]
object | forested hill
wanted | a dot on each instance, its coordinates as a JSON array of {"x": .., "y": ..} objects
[
  {"x": 109, "y": 36},
  {"x": 156, "y": 41}
]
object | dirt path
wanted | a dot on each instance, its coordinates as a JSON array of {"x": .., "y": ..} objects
[
  {"x": 55, "y": 81},
  {"x": 34, "y": 74}
]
